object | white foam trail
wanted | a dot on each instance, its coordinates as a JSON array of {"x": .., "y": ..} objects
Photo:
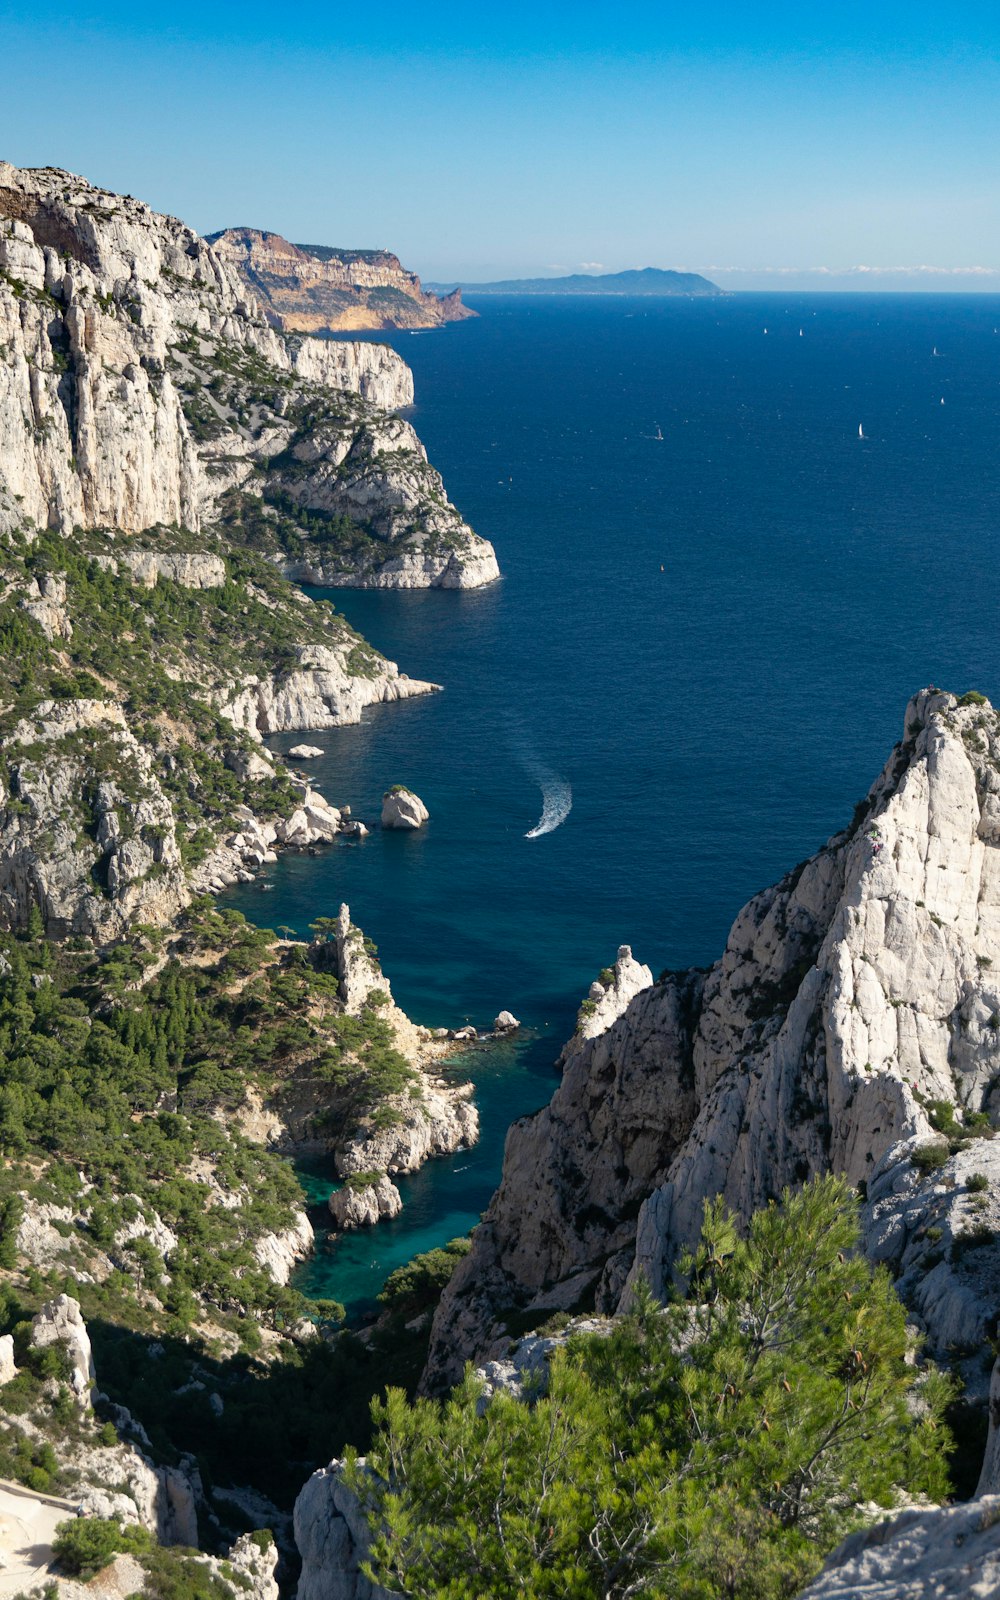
[{"x": 557, "y": 800}]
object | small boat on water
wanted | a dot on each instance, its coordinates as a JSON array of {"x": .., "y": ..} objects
[
  {"x": 861, "y": 431},
  {"x": 659, "y": 432}
]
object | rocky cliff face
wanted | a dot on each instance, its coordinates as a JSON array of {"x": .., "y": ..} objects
[
  {"x": 942, "y": 1553},
  {"x": 852, "y": 1022},
  {"x": 140, "y": 384},
  {"x": 312, "y": 289},
  {"x": 165, "y": 455}
]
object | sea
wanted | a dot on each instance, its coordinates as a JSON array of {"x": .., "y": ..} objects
[{"x": 736, "y": 535}]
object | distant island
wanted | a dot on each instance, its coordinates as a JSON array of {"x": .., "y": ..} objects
[{"x": 645, "y": 280}]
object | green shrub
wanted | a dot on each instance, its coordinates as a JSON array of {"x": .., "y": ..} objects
[
  {"x": 418, "y": 1285},
  {"x": 929, "y": 1157},
  {"x": 84, "y": 1547},
  {"x": 714, "y": 1450},
  {"x": 977, "y": 1183}
]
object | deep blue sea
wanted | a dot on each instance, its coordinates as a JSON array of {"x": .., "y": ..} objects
[{"x": 710, "y": 638}]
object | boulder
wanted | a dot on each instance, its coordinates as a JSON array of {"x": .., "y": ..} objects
[
  {"x": 401, "y": 808},
  {"x": 505, "y": 1022},
  {"x": 305, "y": 752}
]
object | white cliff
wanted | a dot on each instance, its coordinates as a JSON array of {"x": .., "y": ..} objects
[
  {"x": 851, "y": 996},
  {"x": 280, "y": 1253},
  {"x": 60, "y": 1322},
  {"x": 87, "y": 833},
  {"x": 319, "y": 691},
  {"x": 114, "y": 320}
]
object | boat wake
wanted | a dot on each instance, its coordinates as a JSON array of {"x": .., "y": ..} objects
[{"x": 557, "y": 801}]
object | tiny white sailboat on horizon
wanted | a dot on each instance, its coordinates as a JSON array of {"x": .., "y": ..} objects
[
  {"x": 861, "y": 431},
  {"x": 659, "y": 432}
]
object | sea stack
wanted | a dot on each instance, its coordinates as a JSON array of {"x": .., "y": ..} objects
[{"x": 401, "y": 808}]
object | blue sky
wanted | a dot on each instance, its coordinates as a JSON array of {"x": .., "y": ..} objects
[{"x": 771, "y": 146}]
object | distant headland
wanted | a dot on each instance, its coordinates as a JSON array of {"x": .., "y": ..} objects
[
  {"x": 315, "y": 288},
  {"x": 656, "y": 281}
]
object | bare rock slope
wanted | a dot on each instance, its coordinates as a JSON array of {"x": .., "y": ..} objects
[{"x": 853, "y": 1024}]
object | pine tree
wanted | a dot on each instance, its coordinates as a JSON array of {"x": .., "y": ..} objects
[{"x": 715, "y": 1449}]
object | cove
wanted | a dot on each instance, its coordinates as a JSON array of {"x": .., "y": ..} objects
[{"x": 711, "y": 638}]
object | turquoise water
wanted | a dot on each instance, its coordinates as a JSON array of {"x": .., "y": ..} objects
[{"x": 716, "y": 720}]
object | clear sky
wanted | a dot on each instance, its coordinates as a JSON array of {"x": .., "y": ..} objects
[{"x": 768, "y": 145}]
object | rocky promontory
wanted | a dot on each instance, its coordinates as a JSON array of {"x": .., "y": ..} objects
[{"x": 317, "y": 289}]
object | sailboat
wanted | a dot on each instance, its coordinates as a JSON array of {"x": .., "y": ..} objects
[
  {"x": 935, "y": 351},
  {"x": 861, "y": 431},
  {"x": 659, "y": 432}
]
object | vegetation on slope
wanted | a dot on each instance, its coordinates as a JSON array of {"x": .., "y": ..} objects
[{"x": 714, "y": 1450}]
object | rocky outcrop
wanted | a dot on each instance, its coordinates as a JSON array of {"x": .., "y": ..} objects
[
  {"x": 141, "y": 385},
  {"x": 45, "y": 603},
  {"x": 855, "y": 1006},
  {"x": 280, "y": 1253},
  {"x": 192, "y": 570},
  {"x": 944, "y": 1553},
  {"x": 60, "y": 1322},
  {"x": 438, "y": 1117},
  {"x": 249, "y": 1570},
  {"x": 8, "y": 1369},
  {"x": 574, "y": 1177},
  {"x": 401, "y": 808},
  {"x": 610, "y": 996},
  {"x": 362, "y": 1205},
  {"x": 314, "y": 289},
  {"x": 305, "y": 752},
  {"x": 441, "y": 1121},
  {"x": 332, "y": 1537},
  {"x": 319, "y": 691}
]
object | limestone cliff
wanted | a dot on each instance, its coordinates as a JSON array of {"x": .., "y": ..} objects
[
  {"x": 852, "y": 1022},
  {"x": 167, "y": 461},
  {"x": 141, "y": 384},
  {"x": 315, "y": 289}
]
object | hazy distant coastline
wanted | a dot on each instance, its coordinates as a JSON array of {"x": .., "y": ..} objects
[{"x": 653, "y": 281}]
